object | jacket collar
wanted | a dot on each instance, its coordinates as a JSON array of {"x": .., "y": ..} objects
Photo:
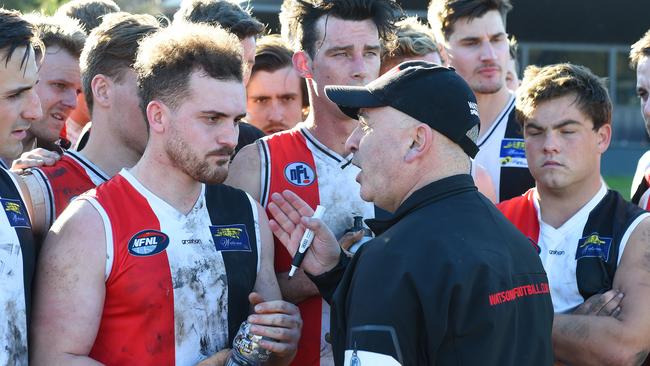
[{"x": 434, "y": 191}]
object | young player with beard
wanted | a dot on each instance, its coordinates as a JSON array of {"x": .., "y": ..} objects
[
  {"x": 240, "y": 22},
  {"x": 157, "y": 272}
]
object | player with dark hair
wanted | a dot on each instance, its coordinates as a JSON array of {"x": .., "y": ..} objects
[
  {"x": 90, "y": 13},
  {"x": 334, "y": 42},
  {"x": 473, "y": 37},
  {"x": 19, "y": 108},
  {"x": 162, "y": 268},
  {"x": 276, "y": 94}
]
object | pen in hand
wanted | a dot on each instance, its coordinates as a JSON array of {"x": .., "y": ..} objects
[{"x": 305, "y": 242}]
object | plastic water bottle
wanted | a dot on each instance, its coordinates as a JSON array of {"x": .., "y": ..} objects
[{"x": 246, "y": 350}]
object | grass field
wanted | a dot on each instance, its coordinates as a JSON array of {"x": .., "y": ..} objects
[{"x": 620, "y": 184}]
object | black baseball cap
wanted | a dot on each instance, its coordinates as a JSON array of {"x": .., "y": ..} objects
[{"x": 430, "y": 93}]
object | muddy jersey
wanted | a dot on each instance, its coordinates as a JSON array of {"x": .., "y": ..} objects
[
  {"x": 581, "y": 256},
  {"x": 64, "y": 181},
  {"x": 17, "y": 261},
  {"x": 502, "y": 153},
  {"x": 296, "y": 161},
  {"x": 176, "y": 284}
]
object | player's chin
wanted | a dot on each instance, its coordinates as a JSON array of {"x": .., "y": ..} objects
[
  {"x": 555, "y": 181},
  {"x": 215, "y": 176}
]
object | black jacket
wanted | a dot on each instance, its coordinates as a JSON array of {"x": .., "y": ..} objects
[{"x": 448, "y": 281}]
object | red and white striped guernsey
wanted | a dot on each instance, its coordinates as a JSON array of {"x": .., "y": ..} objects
[
  {"x": 68, "y": 178},
  {"x": 296, "y": 161},
  {"x": 168, "y": 283}
]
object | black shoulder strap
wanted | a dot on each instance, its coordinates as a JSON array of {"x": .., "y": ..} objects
[
  {"x": 640, "y": 190},
  {"x": 598, "y": 249},
  {"x": 9, "y": 194},
  {"x": 230, "y": 206}
]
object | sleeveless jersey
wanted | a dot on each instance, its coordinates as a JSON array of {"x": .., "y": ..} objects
[
  {"x": 17, "y": 262},
  {"x": 176, "y": 285},
  {"x": 296, "y": 161},
  {"x": 581, "y": 256},
  {"x": 62, "y": 182},
  {"x": 502, "y": 153}
]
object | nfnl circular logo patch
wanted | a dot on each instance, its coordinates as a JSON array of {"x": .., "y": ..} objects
[
  {"x": 300, "y": 174},
  {"x": 148, "y": 242}
]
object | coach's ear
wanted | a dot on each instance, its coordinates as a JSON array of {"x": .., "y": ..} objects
[
  {"x": 158, "y": 116},
  {"x": 302, "y": 64},
  {"x": 420, "y": 141}
]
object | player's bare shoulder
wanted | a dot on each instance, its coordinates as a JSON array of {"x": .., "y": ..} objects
[
  {"x": 244, "y": 171},
  {"x": 79, "y": 226},
  {"x": 637, "y": 249}
]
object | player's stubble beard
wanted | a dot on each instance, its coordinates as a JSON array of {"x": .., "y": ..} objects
[{"x": 179, "y": 152}]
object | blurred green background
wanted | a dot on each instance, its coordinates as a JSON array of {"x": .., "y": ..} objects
[{"x": 620, "y": 184}]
